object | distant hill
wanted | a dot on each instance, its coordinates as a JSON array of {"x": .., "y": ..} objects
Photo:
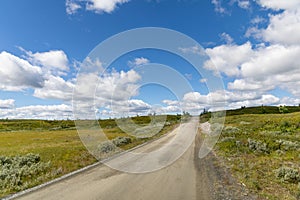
[
  {"x": 263, "y": 110},
  {"x": 255, "y": 110}
]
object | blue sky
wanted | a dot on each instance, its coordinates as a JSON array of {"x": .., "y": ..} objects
[{"x": 254, "y": 45}]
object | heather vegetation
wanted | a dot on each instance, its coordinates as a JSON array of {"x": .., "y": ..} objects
[
  {"x": 35, "y": 151},
  {"x": 16, "y": 172},
  {"x": 263, "y": 150}
]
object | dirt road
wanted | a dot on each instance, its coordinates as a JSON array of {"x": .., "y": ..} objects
[{"x": 189, "y": 178}]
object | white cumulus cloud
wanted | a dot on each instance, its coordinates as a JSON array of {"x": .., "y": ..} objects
[
  {"x": 195, "y": 102},
  {"x": 138, "y": 61},
  {"x": 283, "y": 28},
  {"x": 272, "y": 60},
  {"x": 52, "y": 59},
  {"x": 72, "y": 6},
  {"x": 279, "y": 4},
  {"x": 97, "y": 6},
  {"x": 7, "y": 103},
  {"x": 227, "y": 58},
  {"x": 61, "y": 111},
  {"x": 17, "y": 74},
  {"x": 245, "y": 4},
  {"x": 107, "y": 6},
  {"x": 55, "y": 87}
]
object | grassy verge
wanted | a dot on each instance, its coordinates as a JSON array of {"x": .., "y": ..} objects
[
  {"x": 63, "y": 151},
  {"x": 35, "y": 151},
  {"x": 262, "y": 151}
]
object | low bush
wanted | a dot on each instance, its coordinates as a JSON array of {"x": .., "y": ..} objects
[
  {"x": 231, "y": 129},
  {"x": 288, "y": 174},
  {"x": 120, "y": 141},
  {"x": 271, "y": 143},
  {"x": 288, "y": 145},
  {"x": 110, "y": 146},
  {"x": 15, "y": 171},
  {"x": 258, "y": 146},
  {"x": 106, "y": 147}
]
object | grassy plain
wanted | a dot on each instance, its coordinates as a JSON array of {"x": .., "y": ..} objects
[
  {"x": 263, "y": 152},
  {"x": 36, "y": 151}
]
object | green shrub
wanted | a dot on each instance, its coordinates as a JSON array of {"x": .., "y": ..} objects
[
  {"x": 283, "y": 109},
  {"x": 29, "y": 159},
  {"x": 288, "y": 174},
  {"x": 288, "y": 145},
  {"x": 106, "y": 147},
  {"x": 14, "y": 171},
  {"x": 258, "y": 146},
  {"x": 120, "y": 141},
  {"x": 230, "y": 129}
]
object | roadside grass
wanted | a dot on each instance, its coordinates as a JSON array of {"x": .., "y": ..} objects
[
  {"x": 263, "y": 152},
  {"x": 63, "y": 149},
  {"x": 58, "y": 147}
]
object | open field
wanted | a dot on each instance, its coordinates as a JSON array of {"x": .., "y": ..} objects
[
  {"x": 181, "y": 180},
  {"x": 36, "y": 151},
  {"x": 262, "y": 151}
]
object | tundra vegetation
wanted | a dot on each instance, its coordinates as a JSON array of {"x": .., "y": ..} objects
[
  {"x": 262, "y": 150},
  {"x": 36, "y": 151}
]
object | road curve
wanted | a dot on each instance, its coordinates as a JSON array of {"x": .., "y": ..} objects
[{"x": 179, "y": 180}]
